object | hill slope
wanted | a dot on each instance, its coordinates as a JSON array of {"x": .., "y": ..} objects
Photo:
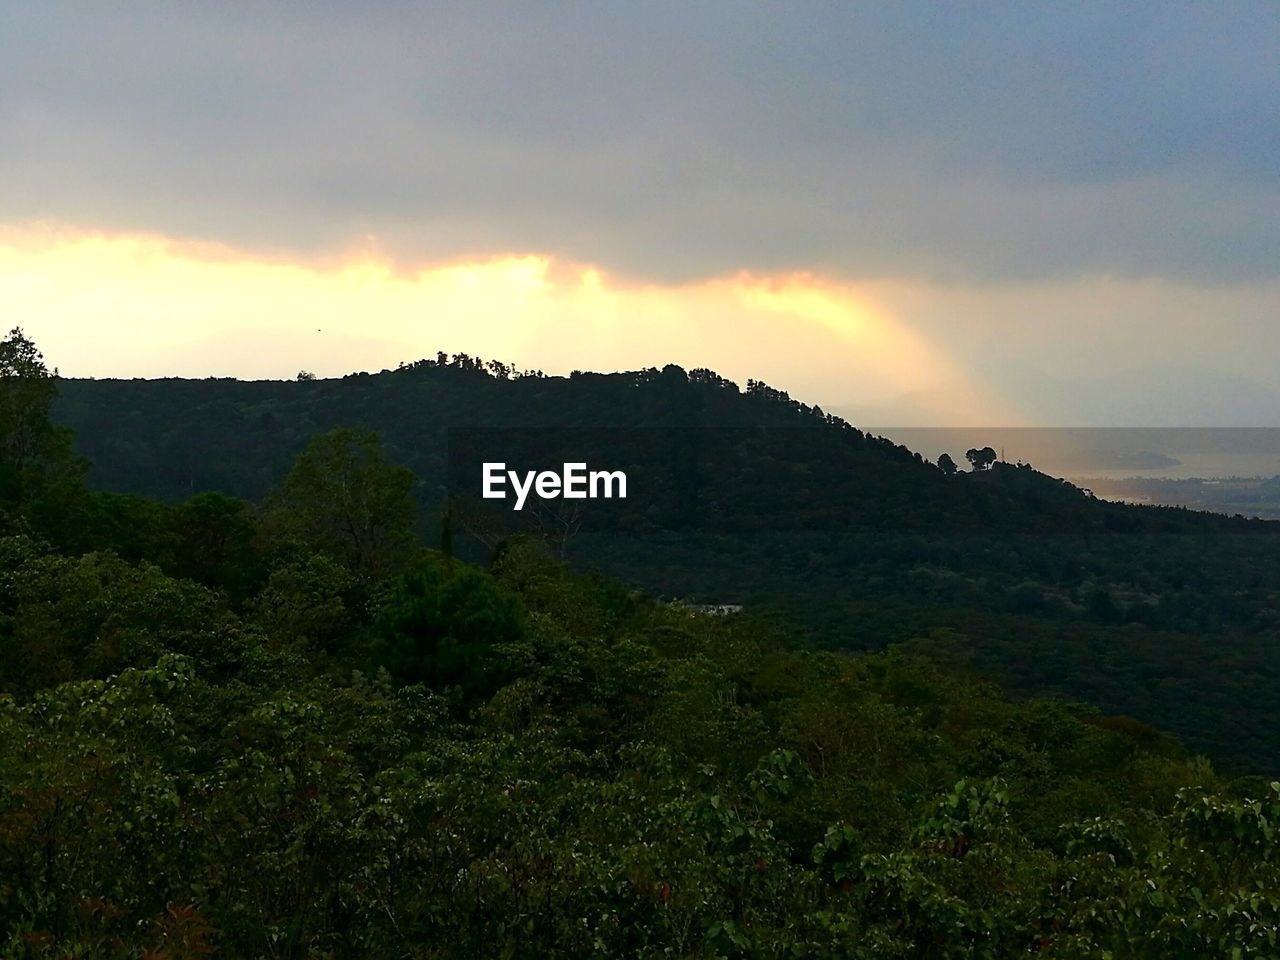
[{"x": 748, "y": 497}]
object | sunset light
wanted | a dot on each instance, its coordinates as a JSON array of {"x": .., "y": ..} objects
[
  {"x": 123, "y": 305},
  {"x": 675, "y": 480}
]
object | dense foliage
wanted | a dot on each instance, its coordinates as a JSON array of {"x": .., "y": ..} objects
[
  {"x": 748, "y": 497},
  {"x": 455, "y": 763},
  {"x": 249, "y": 732}
]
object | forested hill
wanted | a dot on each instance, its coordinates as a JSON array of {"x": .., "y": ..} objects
[
  {"x": 772, "y": 456},
  {"x": 293, "y": 728},
  {"x": 169, "y": 438},
  {"x": 749, "y": 497}
]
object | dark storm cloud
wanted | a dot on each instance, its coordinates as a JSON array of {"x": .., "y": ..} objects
[{"x": 989, "y": 141}]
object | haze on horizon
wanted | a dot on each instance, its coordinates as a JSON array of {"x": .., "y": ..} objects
[{"x": 915, "y": 213}]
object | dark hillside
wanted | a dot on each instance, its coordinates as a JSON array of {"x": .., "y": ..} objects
[
  {"x": 749, "y": 497},
  {"x": 170, "y": 438}
]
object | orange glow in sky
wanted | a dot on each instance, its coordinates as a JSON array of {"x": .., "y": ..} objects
[{"x": 139, "y": 305}]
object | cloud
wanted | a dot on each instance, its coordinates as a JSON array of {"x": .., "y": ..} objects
[
  {"x": 143, "y": 305},
  {"x": 887, "y": 352},
  {"x": 986, "y": 144}
]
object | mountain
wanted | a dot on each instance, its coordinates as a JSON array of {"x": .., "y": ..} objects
[{"x": 749, "y": 497}]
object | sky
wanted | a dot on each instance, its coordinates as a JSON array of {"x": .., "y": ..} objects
[{"x": 910, "y": 213}]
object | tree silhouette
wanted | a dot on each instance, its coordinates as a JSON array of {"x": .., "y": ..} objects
[
  {"x": 35, "y": 453},
  {"x": 980, "y": 459}
]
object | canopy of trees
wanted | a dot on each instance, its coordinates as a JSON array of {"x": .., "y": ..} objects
[
  {"x": 226, "y": 732},
  {"x": 750, "y": 497}
]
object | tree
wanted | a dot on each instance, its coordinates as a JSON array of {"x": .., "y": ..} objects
[
  {"x": 37, "y": 465},
  {"x": 446, "y": 531},
  {"x": 343, "y": 498},
  {"x": 27, "y": 391},
  {"x": 216, "y": 537},
  {"x": 981, "y": 459},
  {"x": 946, "y": 464},
  {"x": 442, "y": 625},
  {"x": 307, "y": 604}
]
